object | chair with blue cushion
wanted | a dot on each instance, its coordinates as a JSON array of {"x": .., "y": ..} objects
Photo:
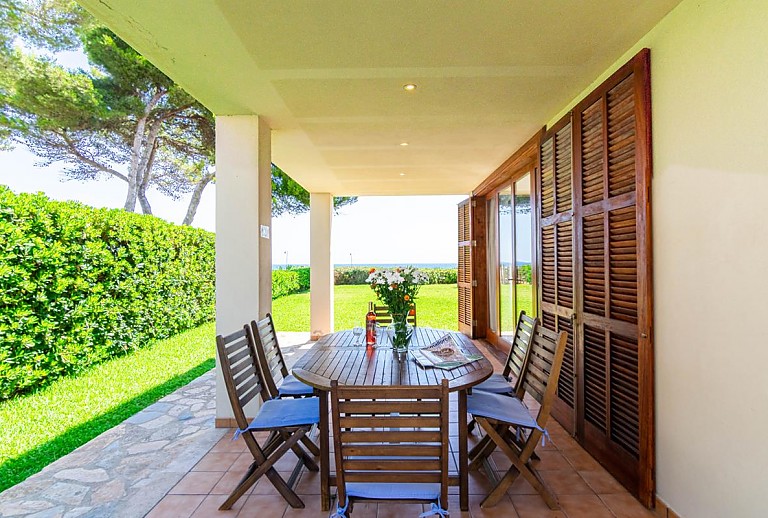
[
  {"x": 508, "y": 423},
  {"x": 391, "y": 444},
  {"x": 508, "y": 381},
  {"x": 279, "y": 382},
  {"x": 288, "y": 421}
]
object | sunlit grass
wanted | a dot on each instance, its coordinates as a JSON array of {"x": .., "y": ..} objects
[
  {"x": 437, "y": 306},
  {"x": 39, "y": 428}
]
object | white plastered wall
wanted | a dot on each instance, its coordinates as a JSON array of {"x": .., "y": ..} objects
[
  {"x": 243, "y": 258},
  {"x": 709, "y": 81},
  {"x": 320, "y": 264}
]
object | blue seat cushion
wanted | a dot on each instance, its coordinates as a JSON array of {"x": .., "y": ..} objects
[
  {"x": 497, "y": 384},
  {"x": 393, "y": 491},
  {"x": 280, "y": 413},
  {"x": 293, "y": 387},
  {"x": 507, "y": 409}
]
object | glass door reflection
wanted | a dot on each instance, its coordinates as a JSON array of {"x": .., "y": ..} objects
[
  {"x": 523, "y": 241},
  {"x": 506, "y": 263}
]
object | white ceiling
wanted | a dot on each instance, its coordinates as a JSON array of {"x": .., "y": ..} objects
[{"x": 328, "y": 76}]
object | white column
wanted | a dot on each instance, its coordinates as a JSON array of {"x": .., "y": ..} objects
[
  {"x": 320, "y": 264},
  {"x": 243, "y": 258}
]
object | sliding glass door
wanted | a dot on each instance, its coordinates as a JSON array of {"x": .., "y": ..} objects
[{"x": 514, "y": 252}]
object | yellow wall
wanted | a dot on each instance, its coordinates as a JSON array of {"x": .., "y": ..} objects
[{"x": 709, "y": 76}]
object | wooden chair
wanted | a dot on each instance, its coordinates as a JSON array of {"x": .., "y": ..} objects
[
  {"x": 391, "y": 444},
  {"x": 498, "y": 415},
  {"x": 384, "y": 317},
  {"x": 508, "y": 382},
  {"x": 279, "y": 382},
  {"x": 286, "y": 420}
]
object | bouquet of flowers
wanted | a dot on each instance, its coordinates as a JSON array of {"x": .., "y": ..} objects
[{"x": 397, "y": 288}]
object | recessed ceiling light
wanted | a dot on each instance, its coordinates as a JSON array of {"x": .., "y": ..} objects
[
  {"x": 403, "y": 144},
  {"x": 409, "y": 87},
  {"x": 402, "y": 174}
]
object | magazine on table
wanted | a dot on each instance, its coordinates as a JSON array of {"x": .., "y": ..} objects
[{"x": 444, "y": 354}]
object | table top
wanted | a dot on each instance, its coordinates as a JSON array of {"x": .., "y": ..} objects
[{"x": 341, "y": 356}]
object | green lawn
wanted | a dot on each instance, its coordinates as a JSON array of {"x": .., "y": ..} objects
[
  {"x": 436, "y": 306},
  {"x": 41, "y": 427},
  {"x": 524, "y": 302}
]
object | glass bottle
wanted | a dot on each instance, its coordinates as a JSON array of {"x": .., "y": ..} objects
[{"x": 370, "y": 326}]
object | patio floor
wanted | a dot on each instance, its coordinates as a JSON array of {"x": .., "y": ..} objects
[{"x": 169, "y": 460}]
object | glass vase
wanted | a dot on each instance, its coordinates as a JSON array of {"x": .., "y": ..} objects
[{"x": 402, "y": 332}]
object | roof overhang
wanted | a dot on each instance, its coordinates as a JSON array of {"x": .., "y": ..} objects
[{"x": 328, "y": 77}]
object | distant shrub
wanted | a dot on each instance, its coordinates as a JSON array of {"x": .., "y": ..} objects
[
  {"x": 79, "y": 285},
  {"x": 524, "y": 273},
  {"x": 358, "y": 275},
  {"x": 345, "y": 275},
  {"x": 287, "y": 281}
]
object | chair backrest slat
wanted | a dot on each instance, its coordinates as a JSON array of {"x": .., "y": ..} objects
[
  {"x": 543, "y": 365},
  {"x": 392, "y": 434},
  {"x": 524, "y": 332},
  {"x": 383, "y": 315},
  {"x": 269, "y": 354},
  {"x": 240, "y": 370}
]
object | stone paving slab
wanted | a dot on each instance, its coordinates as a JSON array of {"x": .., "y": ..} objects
[{"x": 126, "y": 470}]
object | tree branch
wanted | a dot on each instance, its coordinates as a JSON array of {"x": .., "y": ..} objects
[{"x": 89, "y": 161}]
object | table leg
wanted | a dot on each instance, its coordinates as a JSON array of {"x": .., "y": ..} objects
[
  {"x": 463, "y": 454},
  {"x": 325, "y": 464}
]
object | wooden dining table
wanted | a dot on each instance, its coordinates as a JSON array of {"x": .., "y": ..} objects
[{"x": 342, "y": 356}]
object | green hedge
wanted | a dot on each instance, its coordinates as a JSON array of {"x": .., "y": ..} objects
[
  {"x": 79, "y": 285},
  {"x": 345, "y": 275},
  {"x": 291, "y": 280}
]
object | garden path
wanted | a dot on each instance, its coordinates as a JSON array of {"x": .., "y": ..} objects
[{"x": 126, "y": 470}]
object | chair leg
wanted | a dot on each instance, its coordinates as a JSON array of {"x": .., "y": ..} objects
[
  {"x": 520, "y": 466},
  {"x": 310, "y": 445},
  {"x": 265, "y": 466}
]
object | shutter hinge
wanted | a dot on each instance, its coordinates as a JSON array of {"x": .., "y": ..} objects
[
  {"x": 474, "y": 242},
  {"x": 474, "y": 323},
  {"x": 474, "y": 283},
  {"x": 474, "y": 203}
]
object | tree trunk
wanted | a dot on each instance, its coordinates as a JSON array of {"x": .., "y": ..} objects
[
  {"x": 140, "y": 153},
  {"x": 146, "y": 208},
  {"x": 195, "y": 201}
]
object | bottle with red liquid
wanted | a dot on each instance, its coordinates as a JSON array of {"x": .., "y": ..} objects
[{"x": 370, "y": 326}]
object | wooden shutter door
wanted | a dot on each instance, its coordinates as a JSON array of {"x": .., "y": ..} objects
[
  {"x": 600, "y": 224},
  {"x": 556, "y": 253},
  {"x": 612, "y": 218},
  {"x": 464, "y": 276}
]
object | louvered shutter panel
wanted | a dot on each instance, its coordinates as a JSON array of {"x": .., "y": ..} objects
[
  {"x": 611, "y": 214},
  {"x": 556, "y": 238},
  {"x": 602, "y": 227},
  {"x": 464, "y": 276}
]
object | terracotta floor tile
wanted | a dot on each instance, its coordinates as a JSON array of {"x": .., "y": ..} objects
[
  {"x": 503, "y": 508},
  {"x": 565, "y": 482},
  {"x": 210, "y": 507},
  {"x": 625, "y": 505},
  {"x": 602, "y": 482},
  {"x": 242, "y": 463},
  {"x": 479, "y": 484},
  {"x": 261, "y": 506},
  {"x": 309, "y": 483},
  {"x": 228, "y": 483},
  {"x": 360, "y": 510},
  {"x": 265, "y": 487},
  {"x": 227, "y": 445},
  {"x": 584, "y": 506},
  {"x": 532, "y": 506},
  {"x": 455, "y": 508},
  {"x": 311, "y": 509},
  {"x": 520, "y": 486},
  {"x": 176, "y": 506},
  {"x": 216, "y": 462},
  {"x": 397, "y": 510},
  {"x": 550, "y": 460},
  {"x": 581, "y": 460},
  {"x": 196, "y": 483}
]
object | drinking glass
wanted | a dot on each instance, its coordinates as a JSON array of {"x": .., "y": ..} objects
[{"x": 357, "y": 331}]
